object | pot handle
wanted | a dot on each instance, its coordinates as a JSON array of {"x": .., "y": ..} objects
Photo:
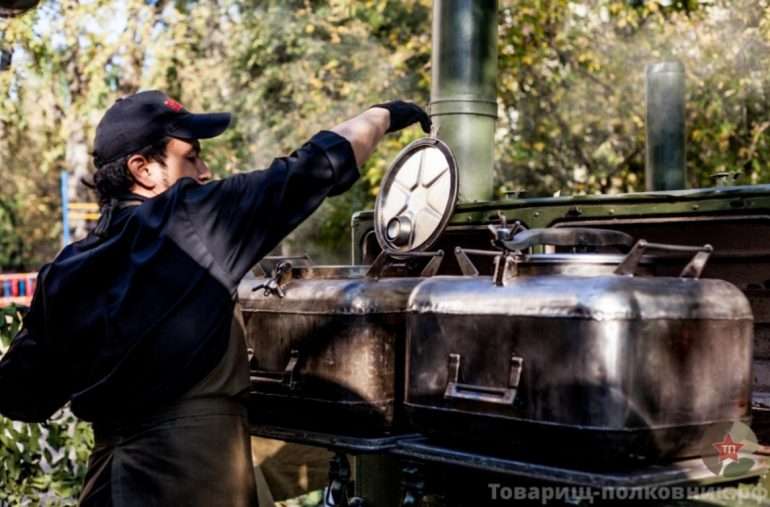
[
  {"x": 568, "y": 236},
  {"x": 286, "y": 378},
  {"x": 381, "y": 262},
  {"x": 455, "y": 390},
  {"x": 693, "y": 269}
]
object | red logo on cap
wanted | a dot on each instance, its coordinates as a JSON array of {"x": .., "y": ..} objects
[{"x": 173, "y": 105}]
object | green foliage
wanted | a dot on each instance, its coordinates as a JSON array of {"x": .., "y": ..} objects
[
  {"x": 572, "y": 87},
  {"x": 312, "y": 499},
  {"x": 40, "y": 464}
]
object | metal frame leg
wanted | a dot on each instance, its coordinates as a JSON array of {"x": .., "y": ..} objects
[{"x": 412, "y": 485}]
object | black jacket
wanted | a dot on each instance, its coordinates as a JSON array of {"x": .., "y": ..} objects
[{"x": 123, "y": 323}]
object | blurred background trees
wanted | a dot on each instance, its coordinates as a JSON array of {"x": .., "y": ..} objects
[{"x": 571, "y": 91}]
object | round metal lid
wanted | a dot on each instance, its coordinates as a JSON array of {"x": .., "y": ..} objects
[{"x": 417, "y": 197}]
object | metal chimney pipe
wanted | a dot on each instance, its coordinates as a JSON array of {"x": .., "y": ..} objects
[
  {"x": 464, "y": 89},
  {"x": 666, "y": 167}
]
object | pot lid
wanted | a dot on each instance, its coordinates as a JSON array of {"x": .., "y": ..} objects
[
  {"x": 578, "y": 258},
  {"x": 417, "y": 197}
]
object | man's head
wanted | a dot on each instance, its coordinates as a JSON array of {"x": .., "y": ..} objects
[{"x": 146, "y": 142}]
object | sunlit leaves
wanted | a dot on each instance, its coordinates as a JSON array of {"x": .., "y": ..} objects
[{"x": 575, "y": 79}]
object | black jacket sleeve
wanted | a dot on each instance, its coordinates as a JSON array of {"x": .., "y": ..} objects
[
  {"x": 33, "y": 382},
  {"x": 241, "y": 218}
]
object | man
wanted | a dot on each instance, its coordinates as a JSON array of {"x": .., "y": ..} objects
[{"x": 133, "y": 324}]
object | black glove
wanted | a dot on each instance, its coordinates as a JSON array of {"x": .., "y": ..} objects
[{"x": 403, "y": 114}]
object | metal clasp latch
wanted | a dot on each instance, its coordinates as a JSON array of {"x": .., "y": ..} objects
[
  {"x": 273, "y": 285},
  {"x": 502, "y": 233}
]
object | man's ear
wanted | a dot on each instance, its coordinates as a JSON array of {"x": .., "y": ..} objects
[{"x": 139, "y": 167}]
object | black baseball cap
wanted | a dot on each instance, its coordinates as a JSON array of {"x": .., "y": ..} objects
[{"x": 137, "y": 121}]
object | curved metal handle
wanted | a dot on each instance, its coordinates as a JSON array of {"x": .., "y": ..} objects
[
  {"x": 568, "y": 236},
  {"x": 286, "y": 378},
  {"x": 693, "y": 269},
  {"x": 498, "y": 395},
  {"x": 381, "y": 262}
]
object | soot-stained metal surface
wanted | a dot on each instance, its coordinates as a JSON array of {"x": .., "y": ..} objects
[{"x": 331, "y": 346}]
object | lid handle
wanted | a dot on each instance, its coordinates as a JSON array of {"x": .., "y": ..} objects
[{"x": 693, "y": 269}]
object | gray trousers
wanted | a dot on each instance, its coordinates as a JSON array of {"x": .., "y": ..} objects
[{"x": 195, "y": 453}]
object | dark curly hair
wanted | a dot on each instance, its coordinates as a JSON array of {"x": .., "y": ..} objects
[{"x": 113, "y": 179}]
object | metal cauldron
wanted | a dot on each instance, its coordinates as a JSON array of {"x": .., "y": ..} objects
[
  {"x": 326, "y": 344},
  {"x": 605, "y": 365}
]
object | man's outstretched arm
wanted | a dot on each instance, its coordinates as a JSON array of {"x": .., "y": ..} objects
[
  {"x": 367, "y": 129},
  {"x": 243, "y": 217}
]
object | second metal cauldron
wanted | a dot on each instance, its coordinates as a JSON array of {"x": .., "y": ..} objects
[{"x": 600, "y": 368}]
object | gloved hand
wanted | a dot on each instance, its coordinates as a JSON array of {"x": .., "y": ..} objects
[{"x": 403, "y": 114}]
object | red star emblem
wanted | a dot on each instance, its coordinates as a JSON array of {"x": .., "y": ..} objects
[
  {"x": 727, "y": 449},
  {"x": 173, "y": 105}
]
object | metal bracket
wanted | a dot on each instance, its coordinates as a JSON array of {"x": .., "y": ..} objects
[
  {"x": 466, "y": 265},
  {"x": 382, "y": 261},
  {"x": 497, "y": 395},
  {"x": 433, "y": 265},
  {"x": 338, "y": 492},
  {"x": 274, "y": 285},
  {"x": 506, "y": 267},
  {"x": 412, "y": 486},
  {"x": 290, "y": 372},
  {"x": 265, "y": 270},
  {"x": 501, "y": 232},
  {"x": 693, "y": 269},
  {"x": 697, "y": 264}
]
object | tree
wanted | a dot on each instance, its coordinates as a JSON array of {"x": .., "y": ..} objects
[{"x": 572, "y": 88}]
